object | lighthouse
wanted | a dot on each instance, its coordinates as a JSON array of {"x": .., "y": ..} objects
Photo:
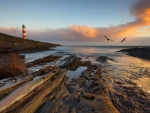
[{"x": 24, "y": 31}]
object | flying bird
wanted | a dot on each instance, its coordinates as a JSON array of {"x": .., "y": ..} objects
[
  {"x": 108, "y": 38},
  {"x": 123, "y": 40}
]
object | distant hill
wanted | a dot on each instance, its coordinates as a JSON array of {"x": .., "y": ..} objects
[{"x": 12, "y": 43}]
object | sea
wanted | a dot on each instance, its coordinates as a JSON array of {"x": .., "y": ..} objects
[{"x": 123, "y": 65}]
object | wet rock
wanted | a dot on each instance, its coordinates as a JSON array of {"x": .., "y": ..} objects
[
  {"x": 72, "y": 87},
  {"x": 70, "y": 63},
  {"x": 93, "y": 67},
  {"x": 85, "y": 63},
  {"x": 40, "y": 91},
  {"x": 53, "y": 107},
  {"x": 72, "y": 110},
  {"x": 11, "y": 65},
  {"x": 126, "y": 96},
  {"x": 98, "y": 105},
  {"x": 103, "y": 59},
  {"x": 89, "y": 96},
  {"x": 94, "y": 94},
  {"x": 80, "y": 81},
  {"x": 143, "y": 52},
  {"x": 22, "y": 56},
  {"x": 85, "y": 74},
  {"x": 91, "y": 92},
  {"x": 63, "y": 109},
  {"x": 46, "y": 59},
  {"x": 72, "y": 99}
]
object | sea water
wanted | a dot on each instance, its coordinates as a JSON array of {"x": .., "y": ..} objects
[{"x": 123, "y": 65}]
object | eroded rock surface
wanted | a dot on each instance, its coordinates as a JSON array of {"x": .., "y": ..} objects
[
  {"x": 11, "y": 65},
  {"x": 94, "y": 91},
  {"x": 46, "y": 59},
  {"x": 88, "y": 93},
  {"x": 47, "y": 84},
  {"x": 70, "y": 63},
  {"x": 126, "y": 96}
]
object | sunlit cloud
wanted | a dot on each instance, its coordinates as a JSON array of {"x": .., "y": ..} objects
[
  {"x": 141, "y": 11},
  {"x": 84, "y": 30},
  {"x": 134, "y": 30}
]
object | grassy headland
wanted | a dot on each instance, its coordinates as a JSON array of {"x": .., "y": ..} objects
[{"x": 8, "y": 43}]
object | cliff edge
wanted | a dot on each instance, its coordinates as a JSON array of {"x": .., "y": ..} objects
[{"x": 11, "y": 43}]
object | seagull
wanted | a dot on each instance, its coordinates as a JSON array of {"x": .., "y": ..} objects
[
  {"x": 108, "y": 38},
  {"x": 123, "y": 40}
]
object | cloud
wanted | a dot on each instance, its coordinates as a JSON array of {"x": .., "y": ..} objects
[
  {"x": 84, "y": 30},
  {"x": 12, "y": 31},
  {"x": 141, "y": 11},
  {"x": 77, "y": 34}
]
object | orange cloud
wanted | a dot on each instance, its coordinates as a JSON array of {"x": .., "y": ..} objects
[
  {"x": 141, "y": 10},
  {"x": 84, "y": 30},
  {"x": 76, "y": 34},
  {"x": 146, "y": 16}
]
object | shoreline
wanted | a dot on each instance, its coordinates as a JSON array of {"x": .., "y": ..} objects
[
  {"x": 92, "y": 88},
  {"x": 139, "y": 52},
  {"x": 44, "y": 84},
  {"x": 9, "y": 44}
]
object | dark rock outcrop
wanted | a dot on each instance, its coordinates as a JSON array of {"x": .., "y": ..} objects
[
  {"x": 11, "y": 65},
  {"x": 143, "y": 52},
  {"x": 46, "y": 59},
  {"x": 71, "y": 63},
  {"x": 103, "y": 59},
  {"x": 85, "y": 63}
]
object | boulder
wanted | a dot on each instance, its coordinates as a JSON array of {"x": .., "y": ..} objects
[
  {"x": 85, "y": 63},
  {"x": 104, "y": 59},
  {"x": 11, "y": 65},
  {"x": 70, "y": 63}
]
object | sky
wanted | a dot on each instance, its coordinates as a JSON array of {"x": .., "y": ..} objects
[{"x": 78, "y": 22}]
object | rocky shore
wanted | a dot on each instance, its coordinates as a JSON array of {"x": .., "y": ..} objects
[
  {"x": 44, "y": 86},
  {"x": 143, "y": 52},
  {"x": 11, "y": 63},
  {"x": 47, "y": 90},
  {"x": 10, "y": 44}
]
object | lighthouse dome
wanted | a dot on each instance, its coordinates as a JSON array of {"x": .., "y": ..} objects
[{"x": 23, "y": 25}]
